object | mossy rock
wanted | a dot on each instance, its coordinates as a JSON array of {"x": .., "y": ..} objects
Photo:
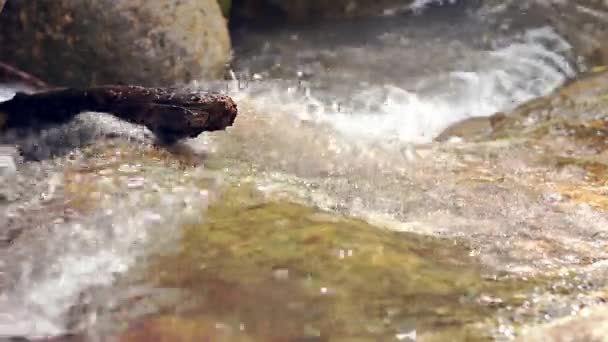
[
  {"x": 286, "y": 271},
  {"x": 150, "y": 43},
  {"x": 579, "y": 108},
  {"x": 225, "y": 5},
  {"x": 176, "y": 329},
  {"x": 590, "y": 324}
]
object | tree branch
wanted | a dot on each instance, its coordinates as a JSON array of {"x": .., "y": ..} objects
[{"x": 169, "y": 113}]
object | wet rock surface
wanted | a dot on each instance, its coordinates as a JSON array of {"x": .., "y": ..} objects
[
  {"x": 304, "y": 274},
  {"x": 588, "y": 325},
  {"x": 562, "y": 137},
  {"x": 74, "y": 43}
]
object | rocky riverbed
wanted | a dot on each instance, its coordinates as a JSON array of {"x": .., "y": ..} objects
[{"x": 435, "y": 182}]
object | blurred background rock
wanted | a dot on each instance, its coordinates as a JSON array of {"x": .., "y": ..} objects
[{"x": 80, "y": 43}]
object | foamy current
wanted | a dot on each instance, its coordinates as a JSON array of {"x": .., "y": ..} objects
[
  {"x": 94, "y": 250},
  {"x": 91, "y": 251},
  {"x": 532, "y": 65}
]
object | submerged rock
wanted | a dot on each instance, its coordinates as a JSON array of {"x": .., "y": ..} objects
[
  {"x": 588, "y": 325},
  {"x": 281, "y": 271},
  {"x": 152, "y": 43},
  {"x": 176, "y": 329}
]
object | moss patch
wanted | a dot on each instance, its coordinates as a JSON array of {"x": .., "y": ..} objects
[
  {"x": 225, "y": 6},
  {"x": 285, "y": 271}
]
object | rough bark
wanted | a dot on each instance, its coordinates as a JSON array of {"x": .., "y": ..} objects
[{"x": 169, "y": 113}]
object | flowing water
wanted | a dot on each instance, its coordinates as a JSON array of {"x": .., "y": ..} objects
[{"x": 336, "y": 124}]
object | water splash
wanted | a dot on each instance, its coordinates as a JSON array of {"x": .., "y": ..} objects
[
  {"x": 419, "y": 5},
  {"x": 533, "y": 64},
  {"x": 370, "y": 158},
  {"x": 52, "y": 268}
]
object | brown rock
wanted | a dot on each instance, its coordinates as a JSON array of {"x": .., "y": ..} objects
[
  {"x": 177, "y": 329},
  {"x": 467, "y": 128},
  {"x": 83, "y": 43},
  {"x": 588, "y": 325}
]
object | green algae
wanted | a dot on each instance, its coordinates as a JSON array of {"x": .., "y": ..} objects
[
  {"x": 225, "y": 6},
  {"x": 286, "y": 271}
]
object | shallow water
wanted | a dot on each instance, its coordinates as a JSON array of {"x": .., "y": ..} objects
[{"x": 333, "y": 128}]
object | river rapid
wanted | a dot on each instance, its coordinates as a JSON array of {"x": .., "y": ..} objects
[{"x": 336, "y": 130}]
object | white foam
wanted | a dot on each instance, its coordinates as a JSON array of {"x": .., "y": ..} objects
[
  {"x": 6, "y": 94},
  {"x": 40, "y": 309},
  {"x": 419, "y": 5},
  {"x": 532, "y": 65},
  {"x": 87, "y": 254},
  {"x": 520, "y": 72}
]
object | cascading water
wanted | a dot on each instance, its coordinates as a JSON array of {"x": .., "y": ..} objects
[
  {"x": 354, "y": 131},
  {"x": 414, "y": 90},
  {"x": 348, "y": 129}
]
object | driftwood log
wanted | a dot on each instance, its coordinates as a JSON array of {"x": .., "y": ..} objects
[{"x": 169, "y": 113}]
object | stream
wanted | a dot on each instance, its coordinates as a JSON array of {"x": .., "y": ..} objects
[{"x": 328, "y": 212}]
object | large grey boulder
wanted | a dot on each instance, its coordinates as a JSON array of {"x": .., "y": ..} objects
[{"x": 150, "y": 43}]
